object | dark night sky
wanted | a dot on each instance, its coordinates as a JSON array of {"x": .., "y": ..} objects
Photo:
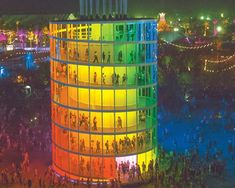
[{"x": 144, "y": 7}]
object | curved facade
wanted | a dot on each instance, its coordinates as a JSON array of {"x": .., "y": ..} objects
[{"x": 103, "y": 96}]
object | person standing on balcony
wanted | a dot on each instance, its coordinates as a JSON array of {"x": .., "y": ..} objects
[
  {"x": 95, "y": 78},
  {"x": 95, "y": 58}
]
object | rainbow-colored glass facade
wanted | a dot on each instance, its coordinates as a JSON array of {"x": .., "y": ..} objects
[{"x": 103, "y": 95}]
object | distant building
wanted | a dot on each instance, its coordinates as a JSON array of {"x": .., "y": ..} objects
[{"x": 162, "y": 23}]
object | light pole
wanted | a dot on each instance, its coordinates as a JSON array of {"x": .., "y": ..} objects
[
  {"x": 206, "y": 27},
  {"x": 30, "y": 38},
  {"x": 17, "y": 25},
  {"x": 215, "y": 21}
]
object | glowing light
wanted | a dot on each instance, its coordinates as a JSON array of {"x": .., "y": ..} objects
[
  {"x": 176, "y": 29},
  {"x": 202, "y": 17},
  {"x": 1, "y": 70},
  {"x": 186, "y": 97},
  {"x": 219, "y": 28},
  {"x": 221, "y": 61},
  {"x": 162, "y": 15},
  {"x": 9, "y": 47},
  {"x": 3, "y": 37},
  {"x": 227, "y": 60},
  {"x": 4, "y": 72},
  {"x": 189, "y": 47},
  {"x": 29, "y": 61},
  {"x": 220, "y": 70},
  {"x": 20, "y": 79}
]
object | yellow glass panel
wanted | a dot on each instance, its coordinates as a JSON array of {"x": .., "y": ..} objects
[
  {"x": 83, "y": 97},
  {"x": 83, "y": 75},
  {"x": 95, "y": 75},
  {"x": 120, "y": 120},
  {"x": 95, "y": 99},
  {"x": 108, "y": 99},
  {"x": 95, "y": 53},
  {"x": 73, "y": 74},
  {"x": 142, "y": 161},
  {"x": 82, "y": 51},
  {"x": 107, "y": 74},
  {"x": 107, "y": 144},
  {"x": 96, "y": 121},
  {"x": 131, "y": 120},
  {"x": 73, "y": 96},
  {"x": 149, "y": 156},
  {"x": 95, "y": 30},
  {"x": 120, "y": 98},
  {"x": 108, "y": 121}
]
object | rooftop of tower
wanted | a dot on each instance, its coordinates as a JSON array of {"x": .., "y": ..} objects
[
  {"x": 101, "y": 20},
  {"x": 101, "y": 11}
]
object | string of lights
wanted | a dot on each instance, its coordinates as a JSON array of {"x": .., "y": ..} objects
[
  {"x": 206, "y": 61},
  {"x": 221, "y": 61},
  {"x": 228, "y": 59},
  {"x": 23, "y": 53},
  {"x": 189, "y": 47},
  {"x": 218, "y": 71}
]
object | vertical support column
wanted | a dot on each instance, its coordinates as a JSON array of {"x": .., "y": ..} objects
[
  {"x": 110, "y": 8},
  {"x": 91, "y": 8},
  {"x": 116, "y": 5},
  {"x": 86, "y": 7},
  {"x": 81, "y": 7},
  {"x": 121, "y": 8},
  {"x": 104, "y": 8},
  {"x": 125, "y": 8},
  {"x": 97, "y": 3}
]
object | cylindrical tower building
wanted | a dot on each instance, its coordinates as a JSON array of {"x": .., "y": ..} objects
[{"x": 103, "y": 96}]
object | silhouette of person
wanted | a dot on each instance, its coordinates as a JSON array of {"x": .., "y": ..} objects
[{"x": 95, "y": 58}]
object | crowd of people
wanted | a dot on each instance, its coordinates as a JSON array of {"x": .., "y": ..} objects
[
  {"x": 115, "y": 79},
  {"x": 177, "y": 169},
  {"x": 25, "y": 135},
  {"x": 23, "y": 127},
  {"x": 168, "y": 170},
  {"x": 23, "y": 132},
  {"x": 82, "y": 121},
  {"x": 95, "y": 57},
  {"x": 121, "y": 145}
]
